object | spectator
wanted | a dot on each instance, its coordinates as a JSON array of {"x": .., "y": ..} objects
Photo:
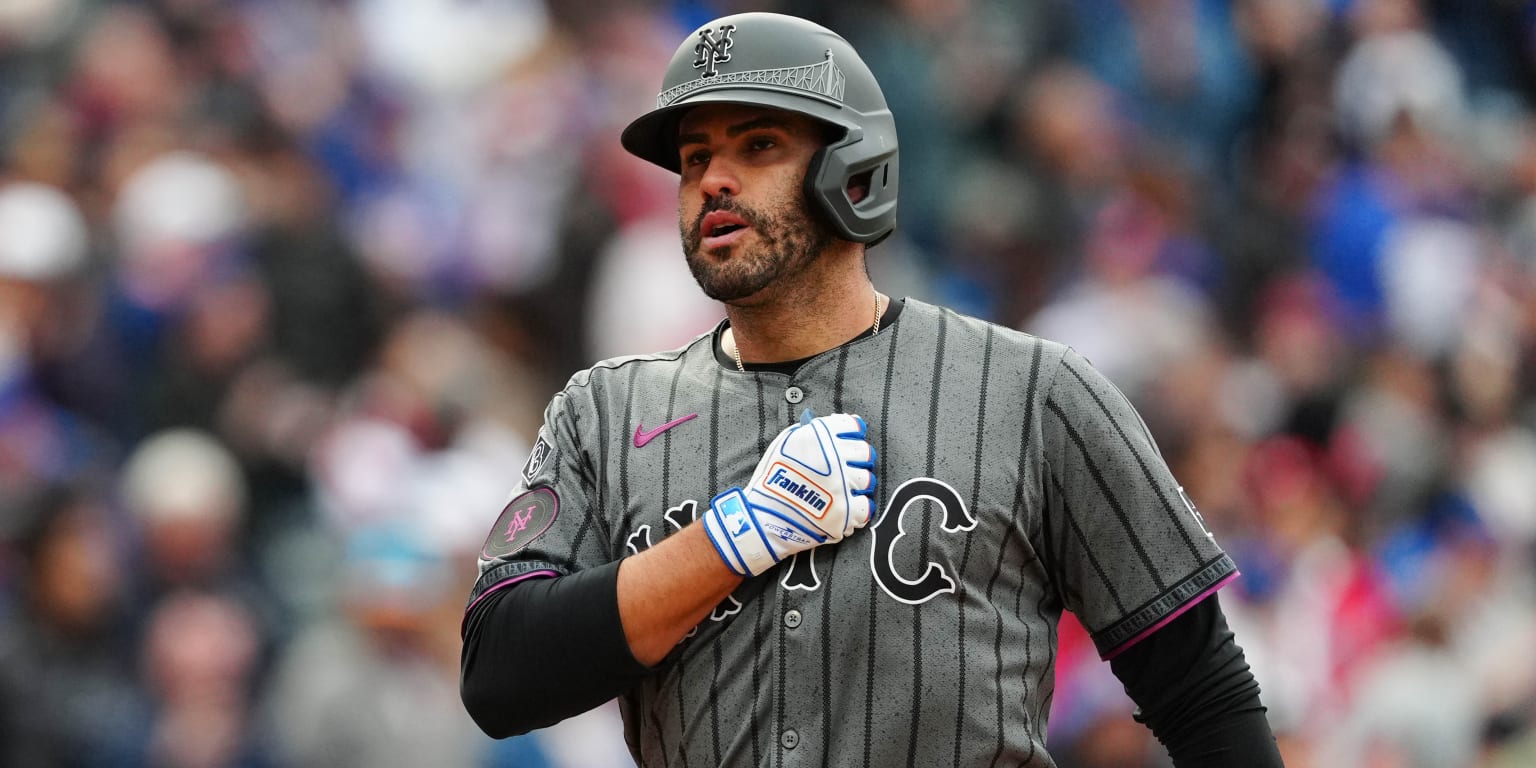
[{"x": 67, "y": 682}]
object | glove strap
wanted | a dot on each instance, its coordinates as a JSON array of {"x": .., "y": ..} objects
[{"x": 737, "y": 537}]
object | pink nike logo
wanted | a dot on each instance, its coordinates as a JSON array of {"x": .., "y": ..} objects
[{"x": 642, "y": 437}]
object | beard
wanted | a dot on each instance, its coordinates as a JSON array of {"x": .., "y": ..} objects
[{"x": 789, "y": 239}]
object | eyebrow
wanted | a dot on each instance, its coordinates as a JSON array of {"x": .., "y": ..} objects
[{"x": 764, "y": 121}]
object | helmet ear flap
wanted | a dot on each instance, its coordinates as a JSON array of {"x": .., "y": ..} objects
[
  {"x": 812, "y": 188},
  {"x": 873, "y": 217}
]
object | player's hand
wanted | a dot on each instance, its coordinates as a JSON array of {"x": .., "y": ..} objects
[{"x": 814, "y": 485}]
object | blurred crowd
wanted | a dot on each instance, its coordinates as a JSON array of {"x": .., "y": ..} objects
[{"x": 285, "y": 285}]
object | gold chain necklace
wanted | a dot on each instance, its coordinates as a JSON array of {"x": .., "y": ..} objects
[{"x": 736, "y": 348}]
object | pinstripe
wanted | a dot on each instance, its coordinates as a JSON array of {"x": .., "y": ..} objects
[
  {"x": 1055, "y": 548},
  {"x": 757, "y": 676},
  {"x": 1018, "y": 505},
  {"x": 603, "y": 428},
  {"x": 1027, "y": 425},
  {"x": 581, "y": 535},
  {"x": 763, "y": 436},
  {"x": 1029, "y": 646},
  {"x": 826, "y": 666},
  {"x": 1087, "y": 548},
  {"x": 588, "y": 474},
  {"x": 838, "y": 378},
  {"x": 714, "y": 483},
  {"x": 714, "y": 432},
  {"x": 714, "y": 701},
  {"x": 1109, "y": 495},
  {"x": 1044, "y": 704},
  {"x": 826, "y": 594},
  {"x": 779, "y": 685},
  {"x": 933, "y": 401},
  {"x": 869, "y": 672},
  {"x": 763, "y": 439},
  {"x": 997, "y": 641},
  {"x": 557, "y": 409},
  {"x": 667, "y": 467},
  {"x": 874, "y": 593},
  {"x": 965, "y": 556},
  {"x": 1029, "y": 415},
  {"x": 682, "y": 710},
  {"x": 654, "y": 708},
  {"x": 630, "y": 393},
  {"x": 666, "y": 438},
  {"x": 917, "y": 613},
  {"x": 682, "y": 661},
  {"x": 588, "y": 520},
  {"x": 660, "y": 733},
  {"x": 1146, "y": 472}
]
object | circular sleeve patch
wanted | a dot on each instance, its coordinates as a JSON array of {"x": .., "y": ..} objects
[{"x": 524, "y": 519}]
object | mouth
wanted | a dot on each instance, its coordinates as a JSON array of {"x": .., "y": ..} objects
[{"x": 721, "y": 228}]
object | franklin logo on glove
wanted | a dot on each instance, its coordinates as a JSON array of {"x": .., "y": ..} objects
[
  {"x": 781, "y": 510},
  {"x": 798, "y": 488}
]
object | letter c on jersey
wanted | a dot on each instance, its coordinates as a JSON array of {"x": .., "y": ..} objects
[{"x": 890, "y": 528}]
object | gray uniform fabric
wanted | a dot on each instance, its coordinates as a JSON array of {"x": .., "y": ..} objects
[{"x": 1014, "y": 482}]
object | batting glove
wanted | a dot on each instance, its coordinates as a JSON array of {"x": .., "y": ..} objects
[{"x": 814, "y": 485}]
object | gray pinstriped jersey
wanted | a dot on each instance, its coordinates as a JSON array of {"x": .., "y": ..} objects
[{"x": 1014, "y": 482}]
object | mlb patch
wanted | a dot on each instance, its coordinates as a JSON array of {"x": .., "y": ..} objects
[
  {"x": 536, "y": 458},
  {"x": 525, "y": 519}
]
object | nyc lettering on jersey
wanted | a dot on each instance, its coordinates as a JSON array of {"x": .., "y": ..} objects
[
  {"x": 889, "y": 529},
  {"x": 797, "y": 488}
]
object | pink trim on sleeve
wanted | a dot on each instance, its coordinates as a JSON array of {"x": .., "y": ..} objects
[
  {"x": 1170, "y": 617},
  {"x": 504, "y": 583}
]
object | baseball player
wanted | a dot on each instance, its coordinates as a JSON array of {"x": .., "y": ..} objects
[{"x": 838, "y": 529}]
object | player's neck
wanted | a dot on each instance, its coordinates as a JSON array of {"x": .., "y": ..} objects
[{"x": 801, "y": 323}]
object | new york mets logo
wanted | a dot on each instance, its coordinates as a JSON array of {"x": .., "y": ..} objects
[
  {"x": 713, "y": 50},
  {"x": 522, "y": 521},
  {"x": 518, "y": 522},
  {"x": 798, "y": 490}
]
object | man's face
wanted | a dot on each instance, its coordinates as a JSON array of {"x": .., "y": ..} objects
[{"x": 742, "y": 213}]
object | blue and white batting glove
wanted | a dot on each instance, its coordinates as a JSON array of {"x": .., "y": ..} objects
[{"x": 815, "y": 484}]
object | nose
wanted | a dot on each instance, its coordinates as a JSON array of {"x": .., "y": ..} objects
[{"x": 719, "y": 179}]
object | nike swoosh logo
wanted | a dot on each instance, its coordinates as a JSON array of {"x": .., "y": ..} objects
[{"x": 642, "y": 437}]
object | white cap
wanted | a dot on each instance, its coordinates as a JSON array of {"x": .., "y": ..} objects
[
  {"x": 183, "y": 474},
  {"x": 182, "y": 197},
  {"x": 1405, "y": 73},
  {"x": 37, "y": 23},
  {"x": 42, "y": 234}
]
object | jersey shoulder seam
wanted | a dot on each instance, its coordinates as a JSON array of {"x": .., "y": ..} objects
[
  {"x": 582, "y": 379},
  {"x": 1015, "y": 334}
]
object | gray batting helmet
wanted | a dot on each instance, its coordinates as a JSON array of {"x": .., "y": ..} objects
[{"x": 771, "y": 60}]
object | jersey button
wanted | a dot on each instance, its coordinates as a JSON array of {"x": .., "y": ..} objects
[
  {"x": 790, "y": 739},
  {"x": 792, "y": 619},
  {"x": 794, "y": 395}
]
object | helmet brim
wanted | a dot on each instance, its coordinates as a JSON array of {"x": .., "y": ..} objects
[{"x": 653, "y": 136}]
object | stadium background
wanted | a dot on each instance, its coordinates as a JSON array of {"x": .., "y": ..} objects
[{"x": 284, "y": 285}]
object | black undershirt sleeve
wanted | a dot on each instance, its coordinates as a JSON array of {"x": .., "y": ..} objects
[
  {"x": 1194, "y": 689},
  {"x": 543, "y": 650}
]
